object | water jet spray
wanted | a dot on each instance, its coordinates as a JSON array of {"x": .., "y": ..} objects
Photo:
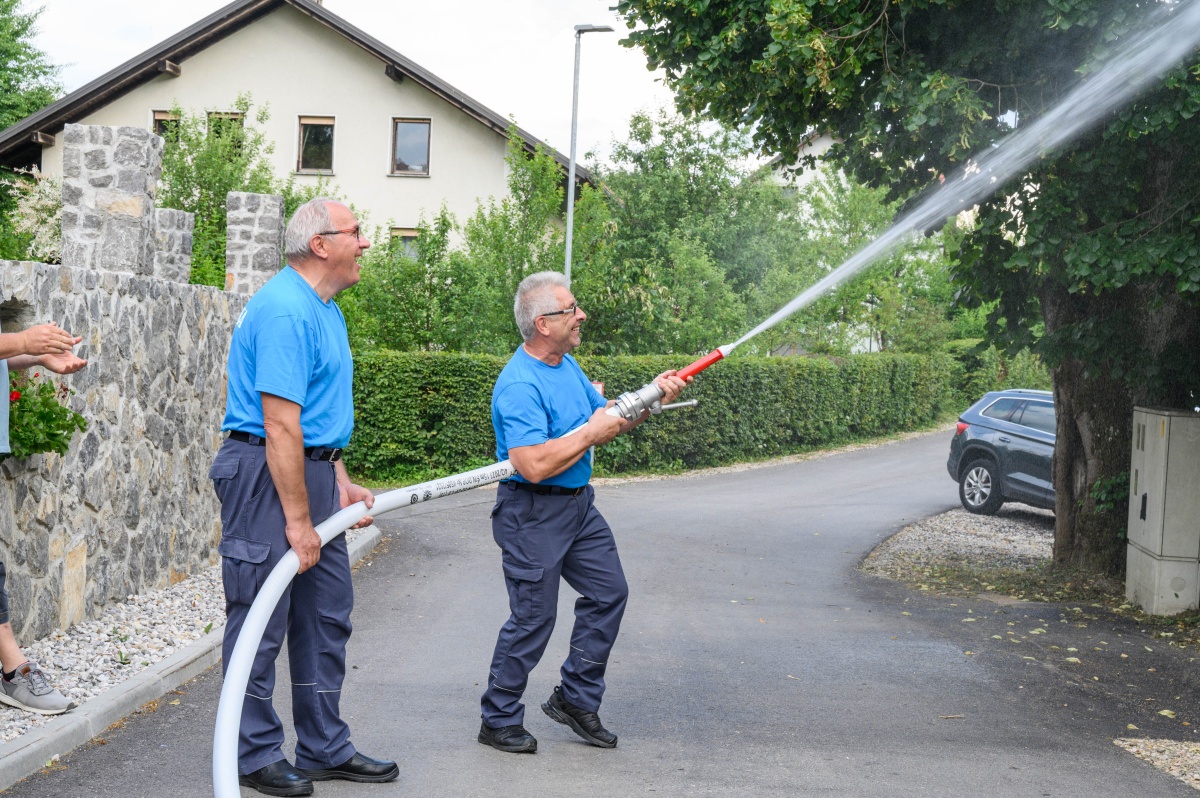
[{"x": 1141, "y": 58}]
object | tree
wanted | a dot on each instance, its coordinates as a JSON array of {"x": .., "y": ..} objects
[
  {"x": 694, "y": 229},
  {"x": 401, "y": 301},
  {"x": 28, "y": 81},
  {"x": 901, "y": 303},
  {"x": 206, "y": 156},
  {"x": 503, "y": 241},
  {"x": 1099, "y": 242}
]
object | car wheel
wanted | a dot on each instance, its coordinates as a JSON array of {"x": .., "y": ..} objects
[{"x": 979, "y": 488}]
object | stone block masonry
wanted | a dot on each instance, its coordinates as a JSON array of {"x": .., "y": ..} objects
[
  {"x": 110, "y": 223},
  {"x": 253, "y": 240},
  {"x": 129, "y": 508}
]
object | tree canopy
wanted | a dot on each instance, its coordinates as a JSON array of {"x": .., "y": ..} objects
[
  {"x": 28, "y": 81},
  {"x": 1093, "y": 254}
]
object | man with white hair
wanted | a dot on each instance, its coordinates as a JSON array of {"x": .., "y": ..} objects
[
  {"x": 546, "y": 525},
  {"x": 289, "y": 412}
]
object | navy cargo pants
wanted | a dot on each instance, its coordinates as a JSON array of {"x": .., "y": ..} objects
[
  {"x": 314, "y": 611},
  {"x": 543, "y": 537}
]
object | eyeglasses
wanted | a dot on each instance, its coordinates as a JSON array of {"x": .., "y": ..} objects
[
  {"x": 572, "y": 310},
  {"x": 355, "y": 231}
]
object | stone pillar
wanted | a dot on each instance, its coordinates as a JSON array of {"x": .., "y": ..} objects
[
  {"x": 110, "y": 176},
  {"x": 173, "y": 244},
  {"x": 253, "y": 240}
]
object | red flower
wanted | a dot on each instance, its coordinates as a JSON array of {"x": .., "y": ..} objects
[{"x": 14, "y": 396}]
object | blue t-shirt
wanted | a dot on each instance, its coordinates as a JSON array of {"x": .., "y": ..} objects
[
  {"x": 534, "y": 402},
  {"x": 292, "y": 344}
]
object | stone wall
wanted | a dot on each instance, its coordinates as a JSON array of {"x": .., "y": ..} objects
[
  {"x": 253, "y": 240},
  {"x": 129, "y": 507}
]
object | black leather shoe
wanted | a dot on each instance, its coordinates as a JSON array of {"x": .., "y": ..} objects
[
  {"x": 511, "y": 739},
  {"x": 586, "y": 724},
  {"x": 357, "y": 768},
  {"x": 278, "y": 778}
]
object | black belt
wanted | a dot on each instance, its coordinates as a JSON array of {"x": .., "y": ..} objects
[
  {"x": 312, "y": 452},
  {"x": 544, "y": 490}
]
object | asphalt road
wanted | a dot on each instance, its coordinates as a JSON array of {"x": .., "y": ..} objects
[{"x": 754, "y": 660}]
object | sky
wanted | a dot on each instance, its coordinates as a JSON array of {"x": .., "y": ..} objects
[{"x": 513, "y": 56}]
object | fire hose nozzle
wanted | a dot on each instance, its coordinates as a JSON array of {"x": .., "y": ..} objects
[{"x": 631, "y": 405}]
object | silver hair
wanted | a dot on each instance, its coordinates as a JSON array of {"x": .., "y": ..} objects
[
  {"x": 310, "y": 219},
  {"x": 535, "y": 296}
]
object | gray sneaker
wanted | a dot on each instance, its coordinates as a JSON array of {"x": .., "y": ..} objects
[{"x": 29, "y": 689}]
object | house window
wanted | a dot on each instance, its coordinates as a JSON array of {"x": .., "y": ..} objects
[
  {"x": 166, "y": 124},
  {"x": 410, "y": 146},
  {"x": 405, "y": 240},
  {"x": 221, "y": 121},
  {"x": 315, "y": 150}
]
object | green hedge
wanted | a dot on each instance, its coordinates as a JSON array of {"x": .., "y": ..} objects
[{"x": 430, "y": 413}]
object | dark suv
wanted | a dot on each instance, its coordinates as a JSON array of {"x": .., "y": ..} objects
[{"x": 1002, "y": 450}]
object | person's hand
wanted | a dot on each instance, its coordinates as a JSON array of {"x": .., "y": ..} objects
[
  {"x": 349, "y": 494},
  {"x": 603, "y": 427},
  {"x": 305, "y": 541},
  {"x": 62, "y": 362},
  {"x": 671, "y": 385},
  {"x": 47, "y": 339}
]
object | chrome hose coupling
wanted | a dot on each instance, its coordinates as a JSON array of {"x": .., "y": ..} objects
[{"x": 630, "y": 406}]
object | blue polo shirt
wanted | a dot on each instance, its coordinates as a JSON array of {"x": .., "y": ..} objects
[
  {"x": 534, "y": 402},
  {"x": 292, "y": 344}
]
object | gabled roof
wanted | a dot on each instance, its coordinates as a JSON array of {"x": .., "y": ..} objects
[{"x": 20, "y": 144}]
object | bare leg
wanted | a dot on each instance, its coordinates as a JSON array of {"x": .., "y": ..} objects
[{"x": 10, "y": 653}]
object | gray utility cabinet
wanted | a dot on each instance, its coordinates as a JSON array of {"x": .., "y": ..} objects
[{"x": 1163, "y": 567}]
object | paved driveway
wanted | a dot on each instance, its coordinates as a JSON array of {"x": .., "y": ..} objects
[{"x": 754, "y": 661}]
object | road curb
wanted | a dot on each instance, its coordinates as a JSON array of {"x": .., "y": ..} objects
[{"x": 34, "y": 750}]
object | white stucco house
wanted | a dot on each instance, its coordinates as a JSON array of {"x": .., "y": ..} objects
[{"x": 396, "y": 140}]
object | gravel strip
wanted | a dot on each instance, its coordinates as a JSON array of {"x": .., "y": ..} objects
[
  {"x": 1017, "y": 537},
  {"x": 95, "y": 656},
  {"x": 1181, "y": 760}
]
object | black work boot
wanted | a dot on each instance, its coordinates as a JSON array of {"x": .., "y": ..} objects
[
  {"x": 510, "y": 739},
  {"x": 586, "y": 724}
]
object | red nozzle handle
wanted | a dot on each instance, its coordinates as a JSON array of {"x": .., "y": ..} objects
[{"x": 701, "y": 364}]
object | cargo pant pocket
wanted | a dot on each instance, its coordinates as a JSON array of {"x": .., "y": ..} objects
[
  {"x": 526, "y": 594},
  {"x": 242, "y": 567}
]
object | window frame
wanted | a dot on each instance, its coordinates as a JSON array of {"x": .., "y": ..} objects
[
  {"x": 428, "y": 122},
  {"x": 158, "y": 117},
  {"x": 311, "y": 120}
]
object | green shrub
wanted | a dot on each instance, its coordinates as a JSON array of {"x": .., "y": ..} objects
[
  {"x": 419, "y": 414},
  {"x": 38, "y": 421},
  {"x": 979, "y": 369}
]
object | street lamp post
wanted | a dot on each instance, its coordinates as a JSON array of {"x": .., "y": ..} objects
[{"x": 579, "y": 31}]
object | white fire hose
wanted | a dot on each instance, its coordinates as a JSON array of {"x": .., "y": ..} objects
[{"x": 237, "y": 671}]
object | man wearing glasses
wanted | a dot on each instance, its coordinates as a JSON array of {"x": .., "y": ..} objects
[
  {"x": 546, "y": 524},
  {"x": 289, "y": 411}
]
